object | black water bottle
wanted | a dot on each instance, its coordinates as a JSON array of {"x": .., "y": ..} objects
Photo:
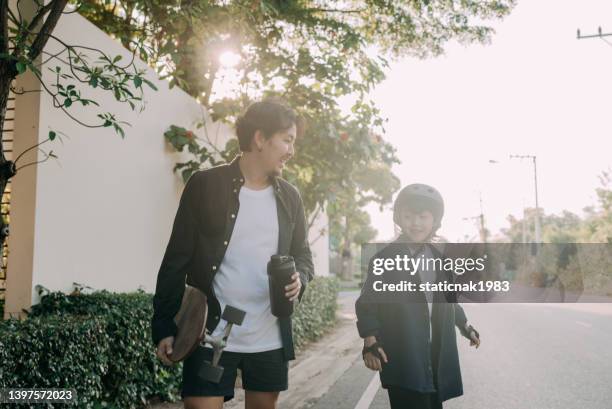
[{"x": 280, "y": 270}]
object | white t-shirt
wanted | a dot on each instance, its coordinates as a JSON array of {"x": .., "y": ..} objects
[{"x": 242, "y": 279}]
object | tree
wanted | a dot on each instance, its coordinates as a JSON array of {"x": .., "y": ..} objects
[
  {"x": 309, "y": 53},
  {"x": 595, "y": 226},
  {"x": 599, "y": 218},
  {"x": 350, "y": 225},
  {"x": 184, "y": 38},
  {"x": 563, "y": 228},
  {"x": 25, "y": 31}
]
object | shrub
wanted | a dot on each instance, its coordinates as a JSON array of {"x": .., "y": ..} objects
[
  {"x": 100, "y": 345},
  {"x": 316, "y": 313},
  {"x": 55, "y": 352}
]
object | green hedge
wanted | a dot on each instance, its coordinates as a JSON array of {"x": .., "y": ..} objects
[
  {"x": 130, "y": 373},
  {"x": 316, "y": 313},
  {"x": 100, "y": 345},
  {"x": 51, "y": 352}
]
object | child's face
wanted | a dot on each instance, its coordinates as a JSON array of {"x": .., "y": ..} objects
[{"x": 417, "y": 225}]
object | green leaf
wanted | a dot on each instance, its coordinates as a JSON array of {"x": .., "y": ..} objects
[
  {"x": 137, "y": 82},
  {"x": 119, "y": 130},
  {"x": 67, "y": 102},
  {"x": 150, "y": 84},
  {"x": 186, "y": 173},
  {"x": 21, "y": 67},
  {"x": 52, "y": 135}
]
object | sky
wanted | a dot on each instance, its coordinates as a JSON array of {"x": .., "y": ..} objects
[{"x": 536, "y": 90}]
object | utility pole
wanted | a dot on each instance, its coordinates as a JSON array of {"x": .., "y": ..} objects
[
  {"x": 482, "y": 231},
  {"x": 599, "y": 34},
  {"x": 538, "y": 226},
  {"x": 524, "y": 224}
]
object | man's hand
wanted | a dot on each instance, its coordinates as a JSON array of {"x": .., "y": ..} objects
[
  {"x": 371, "y": 360},
  {"x": 292, "y": 291},
  {"x": 474, "y": 338},
  {"x": 164, "y": 348}
]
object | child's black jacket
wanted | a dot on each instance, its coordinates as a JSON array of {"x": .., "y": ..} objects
[{"x": 403, "y": 329}]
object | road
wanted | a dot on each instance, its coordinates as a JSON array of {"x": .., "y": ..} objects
[
  {"x": 544, "y": 356},
  {"x": 536, "y": 356}
]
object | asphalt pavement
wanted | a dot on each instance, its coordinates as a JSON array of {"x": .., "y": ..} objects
[
  {"x": 542, "y": 356},
  {"x": 532, "y": 356}
]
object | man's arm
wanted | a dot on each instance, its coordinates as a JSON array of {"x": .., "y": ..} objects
[
  {"x": 173, "y": 270},
  {"x": 300, "y": 249}
]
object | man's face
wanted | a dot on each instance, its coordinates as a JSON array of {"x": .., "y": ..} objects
[
  {"x": 277, "y": 150},
  {"x": 417, "y": 225}
]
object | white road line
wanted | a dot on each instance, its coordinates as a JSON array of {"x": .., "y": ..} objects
[
  {"x": 370, "y": 392},
  {"x": 584, "y": 324}
]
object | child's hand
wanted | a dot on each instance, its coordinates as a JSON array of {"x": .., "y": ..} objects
[
  {"x": 474, "y": 336},
  {"x": 372, "y": 359}
]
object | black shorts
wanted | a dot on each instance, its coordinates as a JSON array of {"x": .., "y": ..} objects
[{"x": 261, "y": 371}]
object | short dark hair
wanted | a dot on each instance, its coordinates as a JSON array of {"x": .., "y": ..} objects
[{"x": 269, "y": 116}]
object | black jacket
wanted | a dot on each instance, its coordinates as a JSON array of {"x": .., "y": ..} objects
[
  {"x": 415, "y": 362},
  {"x": 201, "y": 232}
]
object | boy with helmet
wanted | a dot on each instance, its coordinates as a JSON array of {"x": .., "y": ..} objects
[{"x": 413, "y": 345}]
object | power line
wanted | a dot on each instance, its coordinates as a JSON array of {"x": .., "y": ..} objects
[{"x": 599, "y": 34}]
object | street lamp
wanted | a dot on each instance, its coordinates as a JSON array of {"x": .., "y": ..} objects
[{"x": 538, "y": 226}]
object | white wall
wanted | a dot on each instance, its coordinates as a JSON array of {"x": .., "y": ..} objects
[{"x": 104, "y": 210}]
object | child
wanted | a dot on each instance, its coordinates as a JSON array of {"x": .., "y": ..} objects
[{"x": 413, "y": 345}]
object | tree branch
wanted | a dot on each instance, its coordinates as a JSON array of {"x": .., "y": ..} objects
[
  {"x": 324, "y": 10},
  {"x": 314, "y": 216},
  {"x": 13, "y": 17},
  {"x": 47, "y": 28},
  {"x": 321, "y": 234},
  {"x": 49, "y": 155},
  {"x": 4, "y": 40},
  {"x": 59, "y": 105},
  {"x": 21, "y": 91},
  {"x": 29, "y": 149},
  {"x": 40, "y": 15},
  {"x": 71, "y": 50}
]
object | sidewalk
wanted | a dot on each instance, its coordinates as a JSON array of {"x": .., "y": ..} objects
[{"x": 331, "y": 356}]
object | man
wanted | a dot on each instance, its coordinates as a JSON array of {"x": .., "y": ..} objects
[{"x": 230, "y": 220}]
